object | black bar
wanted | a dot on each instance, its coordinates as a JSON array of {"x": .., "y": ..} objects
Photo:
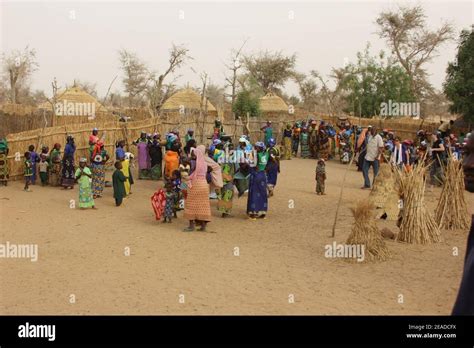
[{"x": 132, "y": 330}]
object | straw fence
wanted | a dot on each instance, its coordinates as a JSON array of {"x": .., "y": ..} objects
[
  {"x": 203, "y": 129},
  {"x": 14, "y": 122}
]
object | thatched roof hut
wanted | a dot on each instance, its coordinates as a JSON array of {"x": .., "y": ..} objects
[
  {"x": 76, "y": 96},
  {"x": 188, "y": 99},
  {"x": 272, "y": 103}
]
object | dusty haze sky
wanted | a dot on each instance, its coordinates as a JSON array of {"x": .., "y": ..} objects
[{"x": 321, "y": 33}]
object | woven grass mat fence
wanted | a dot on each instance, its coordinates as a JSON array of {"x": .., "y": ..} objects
[{"x": 129, "y": 131}]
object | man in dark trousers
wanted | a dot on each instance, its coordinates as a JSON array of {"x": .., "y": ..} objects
[{"x": 465, "y": 302}]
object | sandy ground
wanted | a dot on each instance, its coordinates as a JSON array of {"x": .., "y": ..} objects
[{"x": 281, "y": 258}]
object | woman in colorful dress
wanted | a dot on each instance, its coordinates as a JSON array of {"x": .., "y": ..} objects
[
  {"x": 323, "y": 145},
  {"x": 304, "y": 141},
  {"x": 99, "y": 158},
  {"x": 226, "y": 193},
  {"x": 171, "y": 161},
  {"x": 287, "y": 141},
  {"x": 84, "y": 177},
  {"x": 197, "y": 208},
  {"x": 55, "y": 162},
  {"x": 93, "y": 139},
  {"x": 67, "y": 173},
  {"x": 257, "y": 203},
  {"x": 267, "y": 131},
  {"x": 296, "y": 138},
  {"x": 143, "y": 156}
]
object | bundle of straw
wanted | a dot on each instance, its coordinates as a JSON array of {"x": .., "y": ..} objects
[
  {"x": 418, "y": 225},
  {"x": 365, "y": 232},
  {"x": 451, "y": 212},
  {"x": 384, "y": 193}
]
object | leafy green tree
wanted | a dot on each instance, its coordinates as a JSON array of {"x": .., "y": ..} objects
[
  {"x": 246, "y": 103},
  {"x": 372, "y": 81},
  {"x": 459, "y": 83}
]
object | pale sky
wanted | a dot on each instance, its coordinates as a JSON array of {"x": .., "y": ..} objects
[{"x": 80, "y": 39}]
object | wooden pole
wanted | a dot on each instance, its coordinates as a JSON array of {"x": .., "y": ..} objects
[{"x": 341, "y": 191}]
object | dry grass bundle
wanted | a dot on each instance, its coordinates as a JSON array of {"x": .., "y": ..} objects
[
  {"x": 451, "y": 212},
  {"x": 418, "y": 225},
  {"x": 384, "y": 194},
  {"x": 365, "y": 232}
]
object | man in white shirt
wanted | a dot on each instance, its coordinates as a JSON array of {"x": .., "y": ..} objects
[{"x": 374, "y": 151}]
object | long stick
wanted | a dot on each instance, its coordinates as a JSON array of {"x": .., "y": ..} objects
[
  {"x": 107, "y": 94},
  {"x": 342, "y": 190}
]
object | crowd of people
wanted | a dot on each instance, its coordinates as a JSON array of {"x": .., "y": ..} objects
[
  {"x": 371, "y": 146},
  {"x": 193, "y": 174}
]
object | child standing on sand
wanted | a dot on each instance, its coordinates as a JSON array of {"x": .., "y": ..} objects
[
  {"x": 170, "y": 196},
  {"x": 118, "y": 181},
  {"x": 28, "y": 171},
  {"x": 320, "y": 177},
  {"x": 43, "y": 170}
]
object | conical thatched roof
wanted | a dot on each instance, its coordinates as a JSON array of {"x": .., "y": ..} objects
[
  {"x": 74, "y": 94},
  {"x": 272, "y": 103},
  {"x": 187, "y": 98}
]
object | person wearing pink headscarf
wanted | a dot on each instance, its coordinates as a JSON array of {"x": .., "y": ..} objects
[{"x": 197, "y": 208}]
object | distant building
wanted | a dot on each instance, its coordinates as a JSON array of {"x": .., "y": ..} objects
[{"x": 186, "y": 101}]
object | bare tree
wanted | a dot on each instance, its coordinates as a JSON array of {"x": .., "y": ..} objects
[
  {"x": 308, "y": 90},
  {"x": 234, "y": 65},
  {"x": 271, "y": 69},
  {"x": 136, "y": 75},
  {"x": 333, "y": 97},
  {"x": 203, "y": 104},
  {"x": 178, "y": 56},
  {"x": 18, "y": 66},
  {"x": 216, "y": 95},
  {"x": 412, "y": 43}
]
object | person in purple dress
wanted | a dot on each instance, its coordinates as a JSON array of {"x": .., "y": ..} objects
[
  {"x": 143, "y": 156},
  {"x": 34, "y": 158}
]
